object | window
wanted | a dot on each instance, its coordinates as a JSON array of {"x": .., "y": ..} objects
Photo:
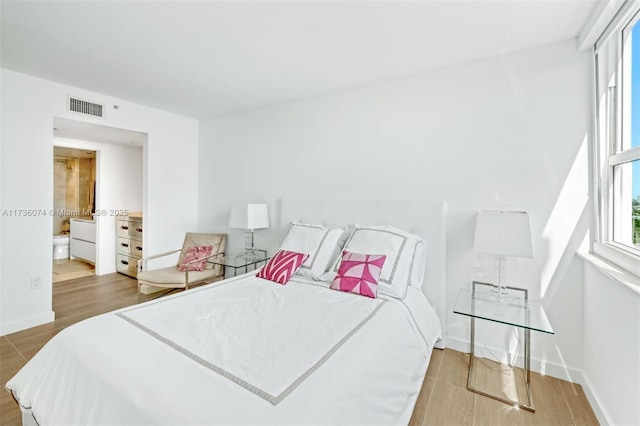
[
  {"x": 617, "y": 150},
  {"x": 624, "y": 160}
]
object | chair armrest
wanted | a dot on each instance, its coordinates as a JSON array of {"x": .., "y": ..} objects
[
  {"x": 186, "y": 270},
  {"x": 160, "y": 255},
  {"x": 205, "y": 258},
  {"x": 144, "y": 260}
]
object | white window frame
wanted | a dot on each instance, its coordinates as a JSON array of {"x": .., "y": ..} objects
[{"x": 611, "y": 130}]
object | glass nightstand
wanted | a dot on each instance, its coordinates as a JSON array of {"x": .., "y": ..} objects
[
  {"x": 239, "y": 261},
  {"x": 518, "y": 311}
]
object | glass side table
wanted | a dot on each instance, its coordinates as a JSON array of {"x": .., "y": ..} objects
[
  {"x": 517, "y": 310},
  {"x": 239, "y": 261}
]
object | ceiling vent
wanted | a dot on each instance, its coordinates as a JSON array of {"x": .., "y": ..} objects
[{"x": 85, "y": 107}]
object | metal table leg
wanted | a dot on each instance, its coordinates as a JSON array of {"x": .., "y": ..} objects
[{"x": 527, "y": 365}]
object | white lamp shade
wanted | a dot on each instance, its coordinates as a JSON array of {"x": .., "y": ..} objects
[
  {"x": 249, "y": 216},
  {"x": 504, "y": 233}
]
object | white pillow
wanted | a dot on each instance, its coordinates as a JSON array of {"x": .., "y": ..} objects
[
  {"x": 419, "y": 265},
  {"x": 337, "y": 251},
  {"x": 318, "y": 242},
  {"x": 399, "y": 247}
]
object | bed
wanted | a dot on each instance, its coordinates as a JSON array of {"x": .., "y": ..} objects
[{"x": 251, "y": 351}]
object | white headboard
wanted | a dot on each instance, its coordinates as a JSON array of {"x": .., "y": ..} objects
[{"x": 427, "y": 219}]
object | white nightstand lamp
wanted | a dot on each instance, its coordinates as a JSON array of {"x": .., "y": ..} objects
[
  {"x": 504, "y": 234},
  {"x": 249, "y": 217}
]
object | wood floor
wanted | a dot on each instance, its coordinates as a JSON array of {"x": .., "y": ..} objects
[{"x": 444, "y": 399}]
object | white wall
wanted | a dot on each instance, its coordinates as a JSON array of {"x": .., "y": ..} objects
[
  {"x": 510, "y": 131},
  {"x": 118, "y": 187},
  {"x": 170, "y": 182},
  {"x": 612, "y": 345}
]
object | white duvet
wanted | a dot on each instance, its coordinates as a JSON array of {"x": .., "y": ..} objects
[{"x": 242, "y": 351}]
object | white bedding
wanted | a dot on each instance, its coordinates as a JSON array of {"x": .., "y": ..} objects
[{"x": 242, "y": 351}]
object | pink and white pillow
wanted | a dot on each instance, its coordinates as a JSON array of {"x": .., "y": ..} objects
[
  {"x": 359, "y": 273},
  {"x": 400, "y": 248},
  {"x": 194, "y": 253},
  {"x": 282, "y": 266}
]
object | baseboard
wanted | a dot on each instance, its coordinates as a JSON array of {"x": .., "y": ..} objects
[
  {"x": 592, "y": 396},
  {"x": 25, "y": 323},
  {"x": 104, "y": 270},
  {"x": 558, "y": 371}
]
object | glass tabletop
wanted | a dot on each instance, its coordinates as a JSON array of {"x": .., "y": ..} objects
[
  {"x": 240, "y": 260},
  {"x": 516, "y": 311}
]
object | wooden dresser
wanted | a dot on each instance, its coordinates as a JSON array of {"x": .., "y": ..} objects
[{"x": 128, "y": 243}]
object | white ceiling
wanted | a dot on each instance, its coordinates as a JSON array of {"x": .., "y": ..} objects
[{"x": 205, "y": 58}]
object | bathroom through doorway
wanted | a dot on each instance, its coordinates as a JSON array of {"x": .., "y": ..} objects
[{"x": 74, "y": 200}]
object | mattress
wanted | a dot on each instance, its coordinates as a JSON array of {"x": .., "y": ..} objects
[{"x": 240, "y": 351}]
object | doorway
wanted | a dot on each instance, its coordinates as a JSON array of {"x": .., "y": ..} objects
[
  {"x": 118, "y": 183},
  {"x": 74, "y": 233}
]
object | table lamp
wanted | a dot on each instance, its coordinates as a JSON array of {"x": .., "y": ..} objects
[
  {"x": 503, "y": 234},
  {"x": 249, "y": 217}
]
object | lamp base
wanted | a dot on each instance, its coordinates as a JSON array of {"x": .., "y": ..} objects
[
  {"x": 500, "y": 293},
  {"x": 249, "y": 251},
  {"x": 250, "y": 254}
]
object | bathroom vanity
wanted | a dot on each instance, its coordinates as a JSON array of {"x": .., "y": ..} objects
[{"x": 83, "y": 239}]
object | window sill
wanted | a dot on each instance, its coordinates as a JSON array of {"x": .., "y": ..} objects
[
  {"x": 615, "y": 255},
  {"x": 613, "y": 271}
]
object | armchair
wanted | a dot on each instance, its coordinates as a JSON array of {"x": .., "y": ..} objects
[{"x": 172, "y": 278}]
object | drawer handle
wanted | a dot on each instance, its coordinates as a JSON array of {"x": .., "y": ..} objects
[
  {"x": 138, "y": 229},
  {"x": 124, "y": 227},
  {"x": 124, "y": 262},
  {"x": 124, "y": 244},
  {"x": 139, "y": 248}
]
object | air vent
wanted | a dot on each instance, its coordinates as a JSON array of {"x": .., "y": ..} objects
[{"x": 85, "y": 107}]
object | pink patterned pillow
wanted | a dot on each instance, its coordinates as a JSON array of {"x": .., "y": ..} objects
[
  {"x": 282, "y": 266},
  {"x": 194, "y": 253},
  {"x": 359, "y": 273}
]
